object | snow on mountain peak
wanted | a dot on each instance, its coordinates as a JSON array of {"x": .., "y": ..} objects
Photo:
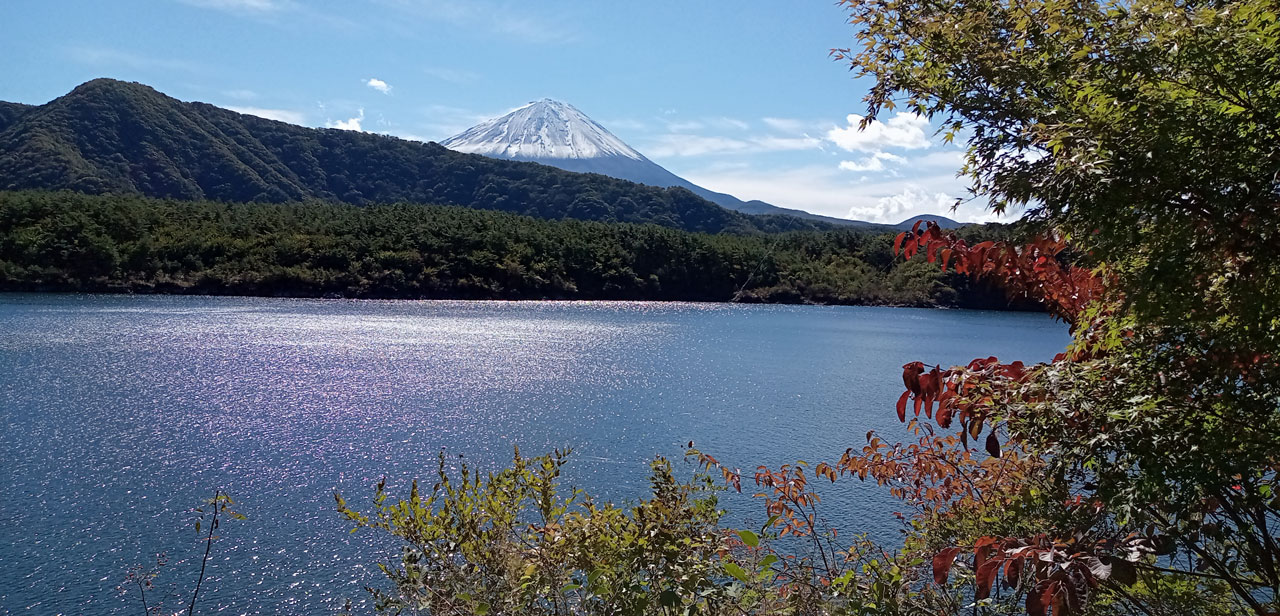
[{"x": 540, "y": 130}]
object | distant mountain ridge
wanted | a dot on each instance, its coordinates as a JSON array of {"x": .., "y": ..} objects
[
  {"x": 109, "y": 136},
  {"x": 943, "y": 222},
  {"x": 555, "y": 133}
]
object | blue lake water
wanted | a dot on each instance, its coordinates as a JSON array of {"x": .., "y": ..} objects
[{"x": 119, "y": 414}]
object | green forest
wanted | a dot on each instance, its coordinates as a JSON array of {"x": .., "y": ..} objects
[{"x": 64, "y": 241}]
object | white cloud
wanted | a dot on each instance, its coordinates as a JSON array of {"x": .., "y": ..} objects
[
  {"x": 348, "y": 124},
  {"x": 279, "y": 115},
  {"x": 896, "y": 171},
  {"x": 506, "y": 19},
  {"x": 731, "y": 123},
  {"x": 792, "y": 125},
  {"x": 694, "y": 145},
  {"x": 825, "y": 189},
  {"x": 699, "y": 145},
  {"x": 684, "y": 126},
  {"x": 721, "y": 123},
  {"x": 913, "y": 200},
  {"x": 875, "y": 162},
  {"x": 820, "y": 189},
  {"x": 287, "y": 13},
  {"x": 784, "y": 124},
  {"x": 904, "y": 130},
  {"x": 625, "y": 124},
  {"x": 378, "y": 84},
  {"x": 894, "y": 174},
  {"x": 241, "y": 6},
  {"x": 782, "y": 144}
]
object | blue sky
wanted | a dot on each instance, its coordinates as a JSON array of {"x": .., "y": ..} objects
[{"x": 737, "y": 97}]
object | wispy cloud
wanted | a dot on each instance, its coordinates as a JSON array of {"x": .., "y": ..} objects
[
  {"x": 820, "y": 189},
  {"x": 720, "y": 135},
  {"x": 730, "y": 123},
  {"x": 625, "y": 124},
  {"x": 242, "y": 6},
  {"x": 352, "y": 123},
  {"x": 684, "y": 126},
  {"x": 784, "y": 144},
  {"x": 694, "y": 145},
  {"x": 681, "y": 144},
  {"x": 280, "y": 115},
  {"x": 692, "y": 125},
  {"x": 875, "y": 162},
  {"x": 285, "y": 13},
  {"x": 792, "y": 125},
  {"x": 824, "y": 189},
  {"x": 243, "y": 95},
  {"x": 502, "y": 18},
  {"x": 452, "y": 75},
  {"x": 378, "y": 84},
  {"x": 445, "y": 121},
  {"x": 904, "y": 130},
  {"x": 102, "y": 56}
]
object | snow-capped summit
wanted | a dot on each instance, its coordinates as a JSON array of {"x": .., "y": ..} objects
[
  {"x": 557, "y": 134},
  {"x": 539, "y": 130}
]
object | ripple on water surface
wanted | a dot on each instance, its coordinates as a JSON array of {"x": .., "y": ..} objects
[{"x": 120, "y": 413}]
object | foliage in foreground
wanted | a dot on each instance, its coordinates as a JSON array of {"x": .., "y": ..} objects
[
  {"x": 68, "y": 241},
  {"x": 1136, "y": 473},
  {"x": 516, "y": 542}
]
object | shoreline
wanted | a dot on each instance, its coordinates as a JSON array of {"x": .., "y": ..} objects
[{"x": 53, "y": 290}]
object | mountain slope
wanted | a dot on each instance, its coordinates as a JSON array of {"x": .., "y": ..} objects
[
  {"x": 10, "y": 112},
  {"x": 943, "y": 221},
  {"x": 109, "y": 136},
  {"x": 542, "y": 129},
  {"x": 558, "y": 134}
]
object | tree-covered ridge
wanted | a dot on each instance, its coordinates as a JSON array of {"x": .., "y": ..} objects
[
  {"x": 112, "y": 137},
  {"x": 10, "y": 112},
  {"x": 71, "y": 241}
]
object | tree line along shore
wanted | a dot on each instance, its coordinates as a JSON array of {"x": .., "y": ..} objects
[{"x": 72, "y": 242}]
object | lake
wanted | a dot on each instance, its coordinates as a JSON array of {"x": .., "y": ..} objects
[{"x": 119, "y": 414}]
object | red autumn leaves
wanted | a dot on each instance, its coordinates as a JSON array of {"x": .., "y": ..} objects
[
  {"x": 1033, "y": 270},
  {"x": 1062, "y": 576},
  {"x": 923, "y": 387},
  {"x": 956, "y": 393}
]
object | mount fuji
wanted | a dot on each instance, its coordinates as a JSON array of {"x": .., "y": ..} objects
[{"x": 557, "y": 134}]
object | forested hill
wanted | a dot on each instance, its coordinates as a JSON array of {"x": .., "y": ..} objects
[
  {"x": 110, "y": 136},
  {"x": 69, "y": 241},
  {"x": 10, "y": 112}
]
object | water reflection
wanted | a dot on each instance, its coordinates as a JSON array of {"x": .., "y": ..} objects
[{"x": 120, "y": 413}]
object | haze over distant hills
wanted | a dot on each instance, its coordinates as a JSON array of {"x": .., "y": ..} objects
[{"x": 558, "y": 134}]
